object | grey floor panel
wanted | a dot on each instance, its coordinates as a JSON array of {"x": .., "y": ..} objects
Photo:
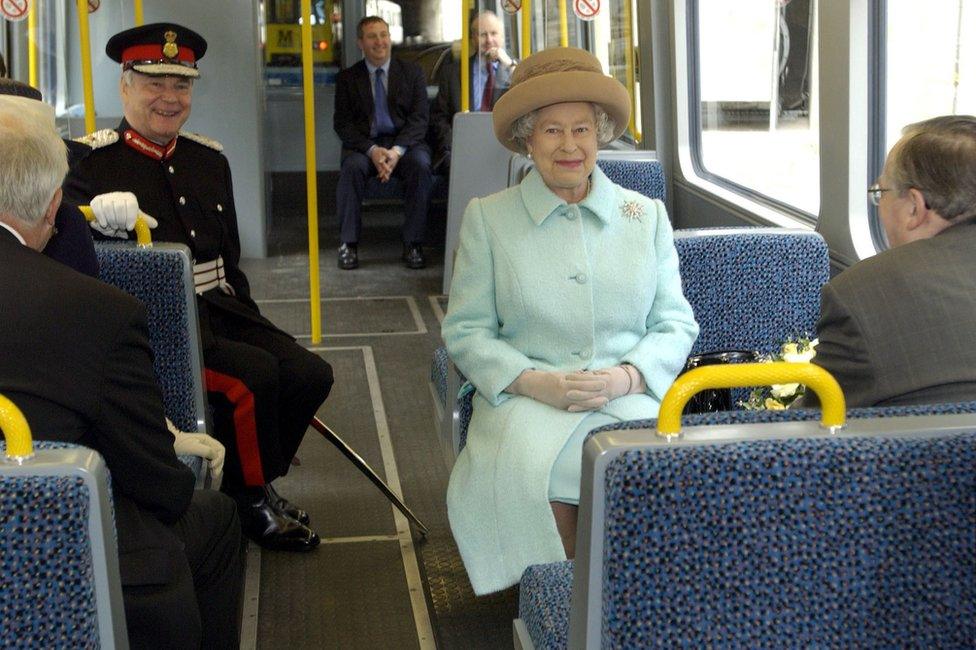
[
  {"x": 345, "y": 316},
  {"x": 350, "y": 596},
  {"x": 339, "y": 499}
]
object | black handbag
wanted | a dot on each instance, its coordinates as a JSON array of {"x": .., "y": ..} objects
[{"x": 715, "y": 399}]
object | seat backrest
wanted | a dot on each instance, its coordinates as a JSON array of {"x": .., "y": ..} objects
[
  {"x": 752, "y": 288},
  {"x": 60, "y": 568},
  {"x": 639, "y": 171},
  {"x": 162, "y": 278},
  {"x": 773, "y": 535}
]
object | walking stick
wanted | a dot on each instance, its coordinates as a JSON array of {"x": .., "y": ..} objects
[{"x": 363, "y": 467}]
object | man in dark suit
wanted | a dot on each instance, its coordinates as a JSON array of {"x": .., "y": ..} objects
[
  {"x": 71, "y": 243},
  {"x": 75, "y": 357},
  {"x": 491, "y": 75},
  {"x": 898, "y": 328},
  {"x": 381, "y": 118},
  {"x": 263, "y": 387}
]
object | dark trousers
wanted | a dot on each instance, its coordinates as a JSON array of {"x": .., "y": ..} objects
[
  {"x": 264, "y": 389},
  {"x": 199, "y": 607},
  {"x": 413, "y": 171}
]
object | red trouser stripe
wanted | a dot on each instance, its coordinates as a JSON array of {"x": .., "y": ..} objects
[{"x": 245, "y": 424}]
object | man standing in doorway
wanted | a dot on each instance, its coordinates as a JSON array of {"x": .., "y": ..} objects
[{"x": 381, "y": 118}]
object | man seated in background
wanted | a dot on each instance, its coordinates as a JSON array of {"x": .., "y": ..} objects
[
  {"x": 897, "y": 328},
  {"x": 75, "y": 357},
  {"x": 491, "y": 75},
  {"x": 71, "y": 242},
  {"x": 381, "y": 118},
  {"x": 263, "y": 387}
]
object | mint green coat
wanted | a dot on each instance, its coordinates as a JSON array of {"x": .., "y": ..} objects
[{"x": 542, "y": 284}]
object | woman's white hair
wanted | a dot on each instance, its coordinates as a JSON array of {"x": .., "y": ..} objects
[
  {"x": 33, "y": 163},
  {"x": 523, "y": 127}
]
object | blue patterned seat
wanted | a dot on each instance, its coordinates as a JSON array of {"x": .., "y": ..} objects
[
  {"x": 757, "y": 537},
  {"x": 750, "y": 289},
  {"x": 162, "y": 278},
  {"x": 58, "y": 554}
]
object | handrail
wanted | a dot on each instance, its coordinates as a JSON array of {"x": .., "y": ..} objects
[
  {"x": 743, "y": 375},
  {"x": 465, "y": 53},
  {"x": 143, "y": 236},
  {"x": 86, "y": 65},
  {"x": 311, "y": 180},
  {"x": 16, "y": 431},
  {"x": 563, "y": 25},
  {"x": 631, "y": 71},
  {"x": 32, "y": 45},
  {"x": 137, "y": 6},
  {"x": 526, "y": 29}
]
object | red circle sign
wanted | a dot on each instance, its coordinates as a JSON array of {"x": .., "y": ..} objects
[
  {"x": 13, "y": 9},
  {"x": 586, "y": 9},
  {"x": 93, "y": 5},
  {"x": 512, "y": 6}
]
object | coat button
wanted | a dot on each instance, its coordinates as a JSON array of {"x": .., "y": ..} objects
[
  {"x": 584, "y": 354},
  {"x": 581, "y": 278},
  {"x": 171, "y": 170},
  {"x": 569, "y": 214},
  {"x": 182, "y": 200},
  {"x": 220, "y": 208},
  {"x": 193, "y": 233}
]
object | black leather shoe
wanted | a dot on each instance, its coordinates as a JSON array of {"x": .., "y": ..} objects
[
  {"x": 348, "y": 257},
  {"x": 286, "y": 507},
  {"x": 262, "y": 523},
  {"x": 413, "y": 256}
]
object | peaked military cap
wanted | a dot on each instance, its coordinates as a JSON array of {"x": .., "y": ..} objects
[{"x": 158, "y": 49}]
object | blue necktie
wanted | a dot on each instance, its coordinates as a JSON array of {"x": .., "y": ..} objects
[{"x": 381, "y": 113}]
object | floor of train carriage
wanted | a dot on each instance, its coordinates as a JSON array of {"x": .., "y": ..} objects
[{"x": 373, "y": 583}]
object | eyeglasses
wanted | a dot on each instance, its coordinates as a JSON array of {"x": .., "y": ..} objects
[{"x": 875, "y": 192}]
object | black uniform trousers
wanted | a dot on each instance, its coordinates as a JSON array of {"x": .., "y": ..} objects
[
  {"x": 264, "y": 389},
  {"x": 199, "y": 607},
  {"x": 413, "y": 170}
]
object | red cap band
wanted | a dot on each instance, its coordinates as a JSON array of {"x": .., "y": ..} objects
[{"x": 155, "y": 53}]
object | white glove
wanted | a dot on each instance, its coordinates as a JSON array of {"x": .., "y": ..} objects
[
  {"x": 116, "y": 212},
  {"x": 620, "y": 380},
  {"x": 568, "y": 392},
  {"x": 200, "y": 444}
]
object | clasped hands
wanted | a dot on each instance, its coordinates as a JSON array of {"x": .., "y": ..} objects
[
  {"x": 385, "y": 161},
  {"x": 200, "y": 444},
  {"x": 585, "y": 390}
]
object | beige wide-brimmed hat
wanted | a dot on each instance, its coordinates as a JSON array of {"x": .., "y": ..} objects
[{"x": 554, "y": 76}]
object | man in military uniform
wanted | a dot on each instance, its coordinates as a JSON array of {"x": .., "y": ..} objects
[{"x": 264, "y": 388}]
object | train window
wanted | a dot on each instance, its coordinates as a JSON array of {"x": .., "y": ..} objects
[
  {"x": 755, "y": 124},
  {"x": 937, "y": 78}
]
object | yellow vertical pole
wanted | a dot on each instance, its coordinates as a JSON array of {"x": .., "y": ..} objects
[
  {"x": 137, "y": 5},
  {"x": 526, "y": 28},
  {"x": 631, "y": 77},
  {"x": 311, "y": 182},
  {"x": 563, "y": 25},
  {"x": 86, "y": 66},
  {"x": 465, "y": 55},
  {"x": 32, "y": 44}
]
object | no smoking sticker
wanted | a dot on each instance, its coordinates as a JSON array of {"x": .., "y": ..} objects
[
  {"x": 14, "y": 10},
  {"x": 512, "y": 6},
  {"x": 586, "y": 9},
  {"x": 93, "y": 5}
]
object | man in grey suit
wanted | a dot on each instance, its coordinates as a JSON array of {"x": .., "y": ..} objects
[{"x": 900, "y": 327}]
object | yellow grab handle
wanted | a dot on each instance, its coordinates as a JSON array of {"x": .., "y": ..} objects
[
  {"x": 143, "y": 236},
  {"x": 743, "y": 375},
  {"x": 15, "y": 430}
]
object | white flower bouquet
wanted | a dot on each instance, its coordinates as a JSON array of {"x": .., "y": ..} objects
[{"x": 781, "y": 396}]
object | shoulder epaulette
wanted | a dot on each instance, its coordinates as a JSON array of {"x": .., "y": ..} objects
[
  {"x": 99, "y": 139},
  {"x": 202, "y": 139}
]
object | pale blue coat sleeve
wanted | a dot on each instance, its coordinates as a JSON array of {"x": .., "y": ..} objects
[
  {"x": 470, "y": 328},
  {"x": 671, "y": 328}
]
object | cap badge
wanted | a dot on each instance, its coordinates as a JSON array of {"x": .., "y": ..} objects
[{"x": 170, "y": 49}]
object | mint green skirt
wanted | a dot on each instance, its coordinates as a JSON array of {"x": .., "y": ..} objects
[{"x": 564, "y": 479}]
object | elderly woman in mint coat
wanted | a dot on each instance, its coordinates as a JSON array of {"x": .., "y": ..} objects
[{"x": 565, "y": 314}]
